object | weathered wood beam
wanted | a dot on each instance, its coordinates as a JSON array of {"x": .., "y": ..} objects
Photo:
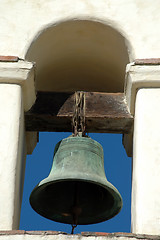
[{"x": 105, "y": 112}]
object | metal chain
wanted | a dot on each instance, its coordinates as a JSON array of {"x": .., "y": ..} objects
[{"x": 79, "y": 114}]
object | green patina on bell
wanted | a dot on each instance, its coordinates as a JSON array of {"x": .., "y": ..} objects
[{"x": 76, "y": 190}]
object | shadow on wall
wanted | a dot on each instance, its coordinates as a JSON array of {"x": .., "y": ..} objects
[{"x": 79, "y": 55}]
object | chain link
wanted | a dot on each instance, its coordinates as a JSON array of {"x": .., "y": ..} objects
[{"x": 78, "y": 121}]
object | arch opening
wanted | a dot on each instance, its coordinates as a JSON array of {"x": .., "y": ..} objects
[{"x": 79, "y": 55}]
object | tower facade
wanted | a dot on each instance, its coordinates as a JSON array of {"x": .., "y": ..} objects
[{"x": 93, "y": 46}]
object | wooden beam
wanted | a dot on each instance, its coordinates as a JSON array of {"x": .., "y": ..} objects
[{"x": 105, "y": 112}]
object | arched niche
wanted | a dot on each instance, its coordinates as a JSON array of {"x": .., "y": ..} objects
[{"x": 79, "y": 55}]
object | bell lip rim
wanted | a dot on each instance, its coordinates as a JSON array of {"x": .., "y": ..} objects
[{"x": 116, "y": 195}]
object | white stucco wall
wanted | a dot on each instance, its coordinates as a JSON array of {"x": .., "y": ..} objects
[
  {"x": 138, "y": 21},
  {"x": 146, "y": 163},
  {"x": 12, "y": 155},
  {"x": 21, "y": 22}
]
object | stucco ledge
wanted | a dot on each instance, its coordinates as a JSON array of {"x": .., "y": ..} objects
[
  {"x": 51, "y": 235},
  {"x": 18, "y": 71},
  {"x": 23, "y": 74},
  {"x": 143, "y": 73}
]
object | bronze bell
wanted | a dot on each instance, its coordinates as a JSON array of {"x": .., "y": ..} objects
[{"x": 76, "y": 190}]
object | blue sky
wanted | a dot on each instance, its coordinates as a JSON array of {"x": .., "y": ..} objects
[{"x": 118, "y": 172}]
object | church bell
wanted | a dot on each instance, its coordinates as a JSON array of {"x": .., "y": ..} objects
[{"x": 76, "y": 190}]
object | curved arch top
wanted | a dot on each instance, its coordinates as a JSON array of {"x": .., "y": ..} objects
[{"x": 79, "y": 55}]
